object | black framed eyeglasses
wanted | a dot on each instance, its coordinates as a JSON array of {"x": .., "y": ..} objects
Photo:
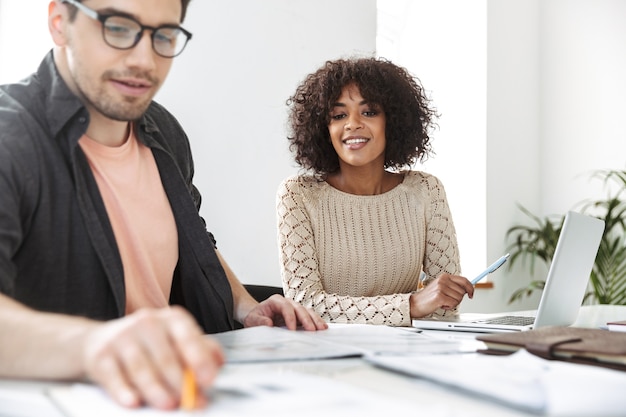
[{"x": 123, "y": 32}]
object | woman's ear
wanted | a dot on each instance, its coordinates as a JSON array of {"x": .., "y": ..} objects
[{"x": 56, "y": 14}]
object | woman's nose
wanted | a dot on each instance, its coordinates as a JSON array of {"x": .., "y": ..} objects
[{"x": 353, "y": 123}]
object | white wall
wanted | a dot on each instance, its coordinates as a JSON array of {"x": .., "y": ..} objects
[
  {"x": 513, "y": 137},
  {"x": 556, "y": 106},
  {"x": 24, "y": 37},
  {"x": 583, "y": 96}
]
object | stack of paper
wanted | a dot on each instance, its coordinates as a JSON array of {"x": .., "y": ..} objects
[
  {"x": 261, "y": 344},
  {"x": 522, "y": 380}
]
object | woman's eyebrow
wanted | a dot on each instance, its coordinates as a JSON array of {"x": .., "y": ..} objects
[{"x": 340, "y": 104}]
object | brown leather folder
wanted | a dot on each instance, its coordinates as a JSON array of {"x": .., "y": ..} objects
[{"x": 572, "y": 344}]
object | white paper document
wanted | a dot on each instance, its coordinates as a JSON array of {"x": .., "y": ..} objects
[
  {"x": 385, "y": 340},
  {"x": 276, "y": 394},
  {"x": 26, "y": 403},
  {"x": 522, "y": 380},
  {"x": 262, "y": 344},
  {"x": 266, "y": 344}
]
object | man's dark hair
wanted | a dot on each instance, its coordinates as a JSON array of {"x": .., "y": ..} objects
[{"x": 185, "y": 4}]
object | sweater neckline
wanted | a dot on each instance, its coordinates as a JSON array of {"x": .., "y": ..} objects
[{"x": 384, "y": 195}]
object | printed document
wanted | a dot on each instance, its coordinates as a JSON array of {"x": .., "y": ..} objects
[{"x": 522, "y": 380}]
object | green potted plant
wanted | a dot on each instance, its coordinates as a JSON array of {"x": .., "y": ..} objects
[{"x": 537, "y": 242}]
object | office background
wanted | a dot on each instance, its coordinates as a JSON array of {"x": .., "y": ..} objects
[{"x": 531, "y": 92}]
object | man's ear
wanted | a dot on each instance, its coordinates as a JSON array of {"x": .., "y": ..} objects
[{"x": 56, "y": 13}]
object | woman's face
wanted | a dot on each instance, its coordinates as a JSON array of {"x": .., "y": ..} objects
[{"x": 357, "y": 130}]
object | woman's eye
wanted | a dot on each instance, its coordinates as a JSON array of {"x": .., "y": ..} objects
[
  {"x": 337, "y": 116},
  {"x": 370, "y": 113}
]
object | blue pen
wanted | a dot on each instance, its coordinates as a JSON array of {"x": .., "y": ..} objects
[{"x": 497, "y": 264}]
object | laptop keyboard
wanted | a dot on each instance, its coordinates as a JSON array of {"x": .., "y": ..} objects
[{"x": 510, "y": 320}]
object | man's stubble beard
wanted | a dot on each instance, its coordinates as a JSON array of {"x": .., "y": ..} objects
[
  {"x": 124, "y": 109},
  {"x": 96, "y": 96}
]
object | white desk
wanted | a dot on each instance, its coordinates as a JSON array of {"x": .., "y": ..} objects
[{"x": 358, "y": 373}]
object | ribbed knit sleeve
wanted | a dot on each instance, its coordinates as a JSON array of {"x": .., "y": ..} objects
[{"x": 356, "y": 259}]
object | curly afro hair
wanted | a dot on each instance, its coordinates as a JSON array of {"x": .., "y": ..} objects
[{"x": 409, "y": 117}]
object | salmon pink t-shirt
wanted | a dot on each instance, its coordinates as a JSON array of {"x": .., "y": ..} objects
[{"x": 141, "y": 217}]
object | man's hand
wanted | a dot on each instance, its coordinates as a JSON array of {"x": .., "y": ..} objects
[
  {"x": 275, "y": 311},
  {"x": 280, "y": 311},
  {"x": 445, "y": 292},
  {"x": 140, "y": 359}
]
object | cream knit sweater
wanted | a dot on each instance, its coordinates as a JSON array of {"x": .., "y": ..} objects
[{"x": 356, "y": 259}]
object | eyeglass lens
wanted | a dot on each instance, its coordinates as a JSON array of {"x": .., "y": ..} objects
[{"x": 123, "y": 33}]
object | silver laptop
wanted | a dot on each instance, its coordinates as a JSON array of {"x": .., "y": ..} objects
[{"x": 564, "y": 289}]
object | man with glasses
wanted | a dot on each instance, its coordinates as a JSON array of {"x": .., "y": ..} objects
[{"x": 99, "y": 224}]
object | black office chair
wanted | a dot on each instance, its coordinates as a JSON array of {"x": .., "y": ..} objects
[{"x": 262, "y": 292}]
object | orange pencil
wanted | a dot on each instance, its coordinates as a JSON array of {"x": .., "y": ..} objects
[{"x": 190, "y": 390}]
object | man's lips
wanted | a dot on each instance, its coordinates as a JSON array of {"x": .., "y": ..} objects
[{"x": 132, "y": 87}]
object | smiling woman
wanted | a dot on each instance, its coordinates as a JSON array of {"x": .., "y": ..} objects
[{"x": 358, "y": 229}]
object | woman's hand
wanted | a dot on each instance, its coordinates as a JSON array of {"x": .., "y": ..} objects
[{"x": 446, "y": 292}]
